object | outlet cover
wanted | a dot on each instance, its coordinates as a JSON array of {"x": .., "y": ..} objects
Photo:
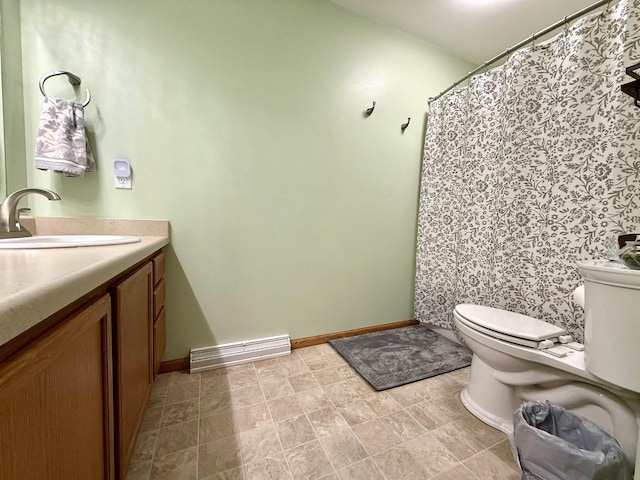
[{"x": 123, "y": 182}]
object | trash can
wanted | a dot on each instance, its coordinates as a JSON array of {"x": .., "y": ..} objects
[{"x": 550, "y": 443}]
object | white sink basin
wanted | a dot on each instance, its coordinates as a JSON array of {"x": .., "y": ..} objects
[{"x": 61, "y": 241}]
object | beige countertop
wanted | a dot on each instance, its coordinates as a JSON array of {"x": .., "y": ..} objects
[{"x": 36, "y": 283}]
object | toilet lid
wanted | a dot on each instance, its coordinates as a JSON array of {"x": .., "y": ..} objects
[{"x": 509, "y": 323}]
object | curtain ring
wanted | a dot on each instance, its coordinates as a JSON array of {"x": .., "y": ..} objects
[
  {"x": 566, "y": 25},
  {"x": 533, "y": 41},
  {"x": 606, "y": 9}
]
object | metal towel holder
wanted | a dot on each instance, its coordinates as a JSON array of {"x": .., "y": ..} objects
[{"x": 73, "y": 80}]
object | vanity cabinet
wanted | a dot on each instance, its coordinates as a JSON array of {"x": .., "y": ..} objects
[
  {"x": 133, "y": 358},
  {"x": 159, "y": 339},
  {"x": 74, "y": 388},
  {"x": 56, "y": 410}
]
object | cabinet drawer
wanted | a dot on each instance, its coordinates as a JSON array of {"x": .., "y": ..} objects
[
  {"x": 158, "y": 268},
  {"x": 159, "y": 340},
  {"x": 158, "y": 298}
]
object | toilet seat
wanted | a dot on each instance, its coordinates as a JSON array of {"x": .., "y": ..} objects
[{"x": 508, "y": 326}]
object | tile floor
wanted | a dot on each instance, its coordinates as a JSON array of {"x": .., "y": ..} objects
[{"x": 310, "y": 416}]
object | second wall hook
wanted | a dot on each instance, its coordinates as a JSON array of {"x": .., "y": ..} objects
[
  {"x": 404, "y": 126},
  {"x": 369, "y": 110}
]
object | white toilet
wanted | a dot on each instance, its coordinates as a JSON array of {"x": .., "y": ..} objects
[{"x": 509, "y": 367}]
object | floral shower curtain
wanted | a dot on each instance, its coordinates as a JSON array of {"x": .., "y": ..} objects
[{"x": 528, "y": 170}]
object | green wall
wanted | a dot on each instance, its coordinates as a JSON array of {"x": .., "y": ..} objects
[{"x": 243, "y": 120}]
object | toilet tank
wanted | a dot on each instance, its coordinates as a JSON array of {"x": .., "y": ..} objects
[{"x": 612, "y": 322}]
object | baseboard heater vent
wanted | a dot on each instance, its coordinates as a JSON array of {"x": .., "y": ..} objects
[{"x": 219, "y": 356}]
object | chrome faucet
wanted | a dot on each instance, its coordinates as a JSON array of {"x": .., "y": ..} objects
[{"x": 10, "y": 226}]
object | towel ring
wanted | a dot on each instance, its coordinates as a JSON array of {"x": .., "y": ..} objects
[{"x": 73, "y": 80}]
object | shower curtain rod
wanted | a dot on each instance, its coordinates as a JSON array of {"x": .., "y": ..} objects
[{"x": 532, "y": 38}]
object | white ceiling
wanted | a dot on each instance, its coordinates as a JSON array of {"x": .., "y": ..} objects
[{"x": 475, "y": 30}]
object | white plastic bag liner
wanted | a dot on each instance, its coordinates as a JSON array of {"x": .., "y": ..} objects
[{"x": 554, "y": 444}]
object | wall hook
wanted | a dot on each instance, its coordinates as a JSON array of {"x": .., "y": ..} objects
[
  {"x": 369, "y": 110},
  {"x": 404, "y": 126}
]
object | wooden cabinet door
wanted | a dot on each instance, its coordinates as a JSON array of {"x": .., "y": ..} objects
[
  {"x": 133, "y": 358},
  {"x": 56, "y": 402}
]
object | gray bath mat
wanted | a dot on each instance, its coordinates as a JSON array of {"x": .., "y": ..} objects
[{"x": 391, "y": 358}]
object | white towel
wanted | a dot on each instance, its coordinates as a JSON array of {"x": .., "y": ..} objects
[{"x": 61, "y": 143}]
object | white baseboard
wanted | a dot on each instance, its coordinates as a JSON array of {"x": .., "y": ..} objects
[{"x": 230, "y": 354}]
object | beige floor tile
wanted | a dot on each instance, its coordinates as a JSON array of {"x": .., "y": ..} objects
[
  {"x": 487, "y": 466},
  {"x": 216, "y": 372},
  {"x": 327, "y": 421},
  {"x": 255, "y": 416},
  {"x": 327, "y": 349},
  {"x": 151, "y": 419},
  {"x": 215, "y": 403},
  {"x": 183, "y": 391},
  {"x": 382, "y": 403},
  {"x": 346, "y": 372},
  {"x": 177, "y": 437},
  {"x": 428, "y": 416},
  {"x": 305, "y": 381},
  {"x": 360, "y": 386},
  {"x": 340, "y": 393},
  {"x": 459, "y": 472},
  {"x": 331, "y": 476},
  {"x": 244, "y": 397},
  {"x": 312, "y": 352},
  {"x": 182, "y": 377},
  {"x": 479, "y": 431},
  {"x": 403, "y": 426},
  {"x": 219, "y": 456},
  {"x": 266, "y": 364},
  {"x": 246, "y": 378},
  {"x": 158, "y": 399},
  {"x": 407, "y": 395},
  {"x": 294, "y": 357},
  {"x": 502, "y": 450},
  {"x": 456, "y": 441},
  {"x": 321, "y": 362},
  {"x": 295, "y": 431},
  {"x": 308, "y": 461},
  {"x": 216, "y": 426},
  {"x": 275, "y": 387},
  {"x": 429, "y": 389},
  {"x": 259, "y": 443},
  {"x": 356, "y": 411},
  {"x": 180, "y": 412},
  {"x": 145, "y": 446},
  {"x": 343, "y": 448},
  {"x": 398, "y": 464},
  {"x": 273, "y": 467},
  {"x": 213, "y": 385},
  {"x": 452, "y": 407},
  {"x": 140, "y": 471},
  {"x": 462, "y": 375},
  {"x": 375, "y": 436},
  {"x": 232, "y": 474},
  {"x": 448, "y": 383},
  {"x": 294, "y": 367},
  {"x": 314, "y": 399},
  {"x": 180, "y": 465},
  {"x": 162, "y": 381},
  {"x": 364, "y": 470},
  {"x": 285, "y": 407},
  {"x": 328, "y": 375},
  {"x": 243, "y": 367},
  {"x": 434, "y": 458}
]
